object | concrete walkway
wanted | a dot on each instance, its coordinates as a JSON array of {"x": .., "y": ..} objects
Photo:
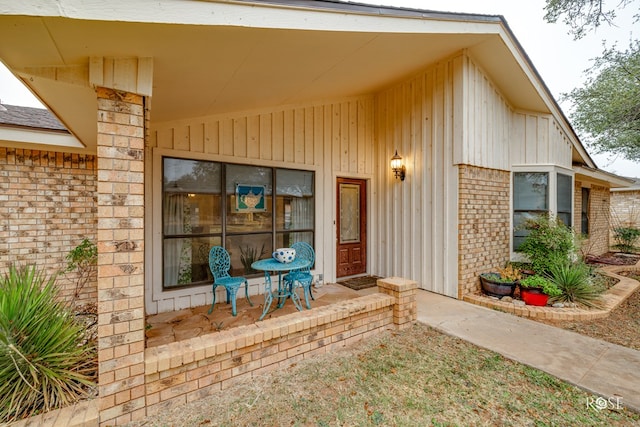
[{"x": 599, "y": 367}]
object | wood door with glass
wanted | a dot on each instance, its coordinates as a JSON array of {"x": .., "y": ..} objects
[{"x": 351, "y": 227}]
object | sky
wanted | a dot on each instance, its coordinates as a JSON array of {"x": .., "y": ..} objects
[{"x": 559, "y": 59}]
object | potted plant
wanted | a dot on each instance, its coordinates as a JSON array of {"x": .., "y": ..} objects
[
  {"x": 500, "y": 284},
  {"x": 536, "y": 290}
]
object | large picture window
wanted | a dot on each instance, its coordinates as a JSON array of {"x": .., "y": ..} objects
[
  {"x": 207, "y": 204},
  {"x": 532, "y": 193}
]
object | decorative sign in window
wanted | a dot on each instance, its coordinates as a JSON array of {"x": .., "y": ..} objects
[{"x": 250, "y": 198}]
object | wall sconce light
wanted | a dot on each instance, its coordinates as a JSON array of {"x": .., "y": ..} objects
[{"x": 399, "y": 171}]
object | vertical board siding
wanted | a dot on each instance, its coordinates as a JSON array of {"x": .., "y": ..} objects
[
  {"x": 495, "y": 136},
  {"x": 417, "y": 217},
  {"x": 333, "y": 139},
  {"x": 538, "y": 139},
  {"x": 294, "y": 136},
  {"x": 484, "y": 138}
]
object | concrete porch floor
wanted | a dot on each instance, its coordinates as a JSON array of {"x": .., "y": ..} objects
[{"x": 183, "y": 324}]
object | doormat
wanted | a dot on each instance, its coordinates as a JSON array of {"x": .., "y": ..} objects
[{"x": 358, "y": 283}]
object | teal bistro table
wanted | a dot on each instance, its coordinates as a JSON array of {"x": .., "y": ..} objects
[{"x": 283, "y": 292}]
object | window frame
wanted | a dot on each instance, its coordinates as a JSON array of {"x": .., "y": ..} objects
[
  {"x": 585, "y": 209},
  {"x": 552, "y": 194},
  {"x": 224, "y": 234}
]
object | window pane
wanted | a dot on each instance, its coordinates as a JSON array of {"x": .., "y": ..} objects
[
  {"x": 519, "y": 233},
  {"x": 294, "y": 213},
  {"x": 565, "y": 218},
  {"x": 286, "y": 240},
  {"x": 564, "y": 193},
  {"x": 191, "y": 213},
  {"x": 186, "y": 260},
  {"x": 249, "y": 201},
  {"x": 294, "y": 203},
  {"x": 246, "y": 249},
  {"x": 530, "y": 191},
  {"x": 191, "y": 176},
  {"x": 294, "y": 183}
]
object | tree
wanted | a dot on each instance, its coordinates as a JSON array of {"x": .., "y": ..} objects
[
  {"x": 607, "y": 108},
  {"x": 606, "y": 111},
  {"x": 582, "y": 15}
]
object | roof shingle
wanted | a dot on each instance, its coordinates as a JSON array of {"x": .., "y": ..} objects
[{"x": 35, "y": 118}]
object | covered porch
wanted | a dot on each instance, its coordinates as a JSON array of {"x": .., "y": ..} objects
[{"x": 173, "y": 326}]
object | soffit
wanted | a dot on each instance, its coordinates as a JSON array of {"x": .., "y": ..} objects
[{"x": 202, "y": 70}]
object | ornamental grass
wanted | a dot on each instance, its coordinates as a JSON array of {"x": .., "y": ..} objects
[{"x": 44, "y": 361}]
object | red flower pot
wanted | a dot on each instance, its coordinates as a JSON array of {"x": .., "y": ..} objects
[{"x": 534, "y": 296}]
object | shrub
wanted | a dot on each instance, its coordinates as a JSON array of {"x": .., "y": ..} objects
[
  {"x": 82, "y": 259},
  {"x": 43, "y": 363},
  {"x": 575, "y": 282},
  {"x": 626, "y": 238},
  {"x": 549, "y": 242},
  {"x": 537, "y": 281}
]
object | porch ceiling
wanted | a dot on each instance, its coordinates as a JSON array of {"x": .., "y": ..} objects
[{"x": 200, "y": 70}]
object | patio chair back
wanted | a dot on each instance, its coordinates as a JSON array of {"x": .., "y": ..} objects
[
  {"x": 220, "y": 264},
  {"x": 306, "y": 252},
  {"x": 303, "y": 275}
]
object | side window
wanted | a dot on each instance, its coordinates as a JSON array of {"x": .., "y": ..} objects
[
  {"x": 536, "y": 193},
  {"x": 530, "y": 198},
  {"x": 564, "y": 199}
]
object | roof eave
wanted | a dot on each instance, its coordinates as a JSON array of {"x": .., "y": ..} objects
[{"x": 613, "y": 180}]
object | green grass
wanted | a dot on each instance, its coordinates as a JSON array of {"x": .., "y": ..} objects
[{"x": 415, "y": 377}]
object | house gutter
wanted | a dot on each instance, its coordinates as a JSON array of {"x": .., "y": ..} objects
[{"x": 615, "y": 181}]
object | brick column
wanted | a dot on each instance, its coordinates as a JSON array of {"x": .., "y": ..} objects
[
  {"x": 405, "y": 311},
  {"x": 120, "y": 256}
]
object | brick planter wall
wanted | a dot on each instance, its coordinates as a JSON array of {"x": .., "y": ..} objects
[
  {"x": 483, "y": 224},
  {"x": 192, "y": 369},
  {"x": 47, "y": 206}
]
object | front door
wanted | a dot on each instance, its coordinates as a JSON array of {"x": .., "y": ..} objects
[{"x": 352, "y": 227}]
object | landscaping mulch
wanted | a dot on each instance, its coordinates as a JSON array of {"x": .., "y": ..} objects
[
  {"x": 621, "y": 327},
  {"x": 613, "y": 258}
]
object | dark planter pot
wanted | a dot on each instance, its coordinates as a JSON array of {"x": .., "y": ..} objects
[
  {"x": 534, "y": 296},
  {"x": 495, "y": 288}
]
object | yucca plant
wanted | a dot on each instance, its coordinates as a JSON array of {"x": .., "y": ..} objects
[
  {"x": 575, "y": 282},
  {"x": 43, "y": 361}
]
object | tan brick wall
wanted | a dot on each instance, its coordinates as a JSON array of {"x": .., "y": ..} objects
[
  {"x": 483, "y": 224},
  {"x": 192, "y": 369},
  {"x": 625, "y": 208},
  {"x": 599, "y": 214},
  {"x": 597, "y": 242},
  {"x": 403, "y": 291},
  {"x": 47, "y": 207},
  {"x": 120, "y": 256}
]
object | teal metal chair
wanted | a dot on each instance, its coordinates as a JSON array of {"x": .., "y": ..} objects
[
  {"x": 220, "y": 263},
  {"x": 303, "y": 276}
]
